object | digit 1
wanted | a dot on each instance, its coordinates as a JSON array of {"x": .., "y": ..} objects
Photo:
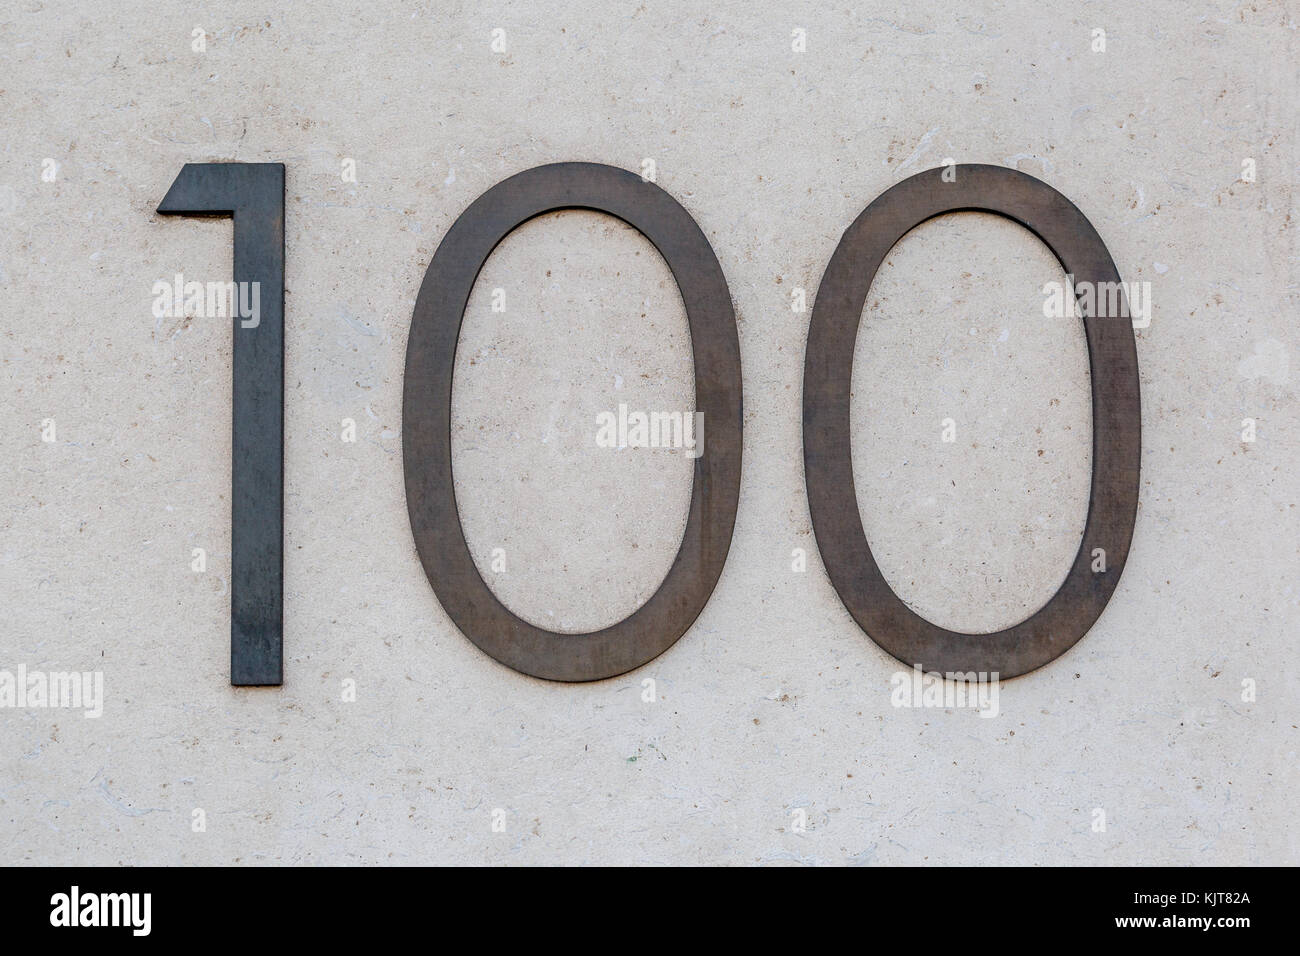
[{"x": 252, "y": 194}]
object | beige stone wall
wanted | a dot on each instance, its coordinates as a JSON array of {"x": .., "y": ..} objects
[{"x": 774, "y": 702}]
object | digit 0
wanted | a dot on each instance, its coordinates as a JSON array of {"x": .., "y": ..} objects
[
  {"x": 828, "y": 466},
  {"x": 426, "y": 423}
]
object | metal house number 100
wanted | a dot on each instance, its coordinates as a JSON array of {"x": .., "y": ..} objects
[{"x": 253, "y": 194}]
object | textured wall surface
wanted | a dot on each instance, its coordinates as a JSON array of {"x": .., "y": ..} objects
[{"x": 774, "y": 708}]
